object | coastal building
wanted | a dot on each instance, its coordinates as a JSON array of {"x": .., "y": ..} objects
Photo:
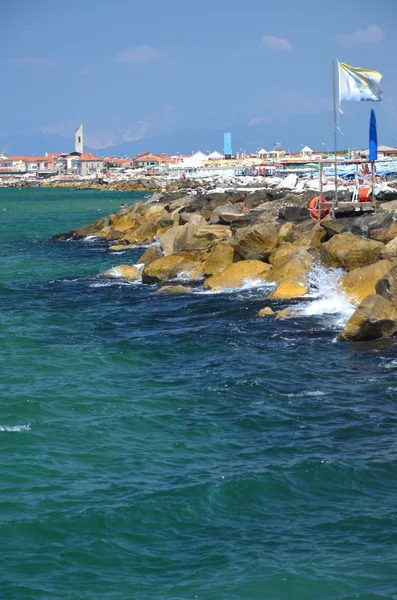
[
  {"x": 383, "y": 152},
  {"x": 79, "y": 164},
  {"x": 306, "y": 152},
  {"x": 146, "y": 160}
]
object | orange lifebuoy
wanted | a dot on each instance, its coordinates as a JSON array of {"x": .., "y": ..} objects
[
  {"x": 365, "y": 194},
  {"x": 317, "y": 208}
]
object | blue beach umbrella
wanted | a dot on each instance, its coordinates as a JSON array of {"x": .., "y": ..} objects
[{"x": 373, "y": 137}]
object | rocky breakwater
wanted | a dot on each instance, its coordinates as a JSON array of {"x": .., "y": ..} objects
[{"x": 222, "y": 240}]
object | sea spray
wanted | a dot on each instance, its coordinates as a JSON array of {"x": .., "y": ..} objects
[{"x": 327, "y": 296}]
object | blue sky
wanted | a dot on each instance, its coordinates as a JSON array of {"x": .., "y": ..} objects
[{"x": 130, "y": 69}]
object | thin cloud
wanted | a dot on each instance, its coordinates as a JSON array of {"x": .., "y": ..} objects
[
  {"x": 371, "y": 34},
  {"x": 277, "y": 43},
  {"x": 141, "y": 55},
  {"x": 30, "y": 61}
]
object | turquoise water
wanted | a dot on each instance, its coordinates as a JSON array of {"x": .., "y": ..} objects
[{"x": 164, "y": 447}]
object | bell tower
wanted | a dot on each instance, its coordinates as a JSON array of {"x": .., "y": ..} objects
[{"x": 78, "y": 139}]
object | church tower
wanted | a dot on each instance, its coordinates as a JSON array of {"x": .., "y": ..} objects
[{"x": 78, "y": 139}]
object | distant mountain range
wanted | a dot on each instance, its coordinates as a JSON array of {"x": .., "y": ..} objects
[{"x": 315, "y": 131}]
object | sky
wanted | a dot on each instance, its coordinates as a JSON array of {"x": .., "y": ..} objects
[{"x": 133, "y": 70}]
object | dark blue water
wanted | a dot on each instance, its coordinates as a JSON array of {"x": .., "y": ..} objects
[{"x": 177, "y": 447}]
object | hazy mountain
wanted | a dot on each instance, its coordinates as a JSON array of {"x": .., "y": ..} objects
[{"x": 315, "y": 131}]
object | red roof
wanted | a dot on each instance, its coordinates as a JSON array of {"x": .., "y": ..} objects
[{"x": 29, "y": 158}]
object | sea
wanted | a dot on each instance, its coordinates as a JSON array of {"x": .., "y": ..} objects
[{"x": 178, "y": 447}]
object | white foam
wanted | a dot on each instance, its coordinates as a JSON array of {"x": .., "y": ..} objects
[
  {"x": 328, "y": 297},
  {"x": 14, "y": 428},
  {"x": 248, "y": 284},
  {"x": 114, "y": 282},
  {"x": 90, "y": 238}
]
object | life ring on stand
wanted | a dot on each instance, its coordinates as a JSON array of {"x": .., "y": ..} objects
[
  {"x": 317, "y": 208},
  {"x": 365, "y": 194}
]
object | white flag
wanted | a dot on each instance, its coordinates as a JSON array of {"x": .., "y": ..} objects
[{"x": 360, "y": 85}]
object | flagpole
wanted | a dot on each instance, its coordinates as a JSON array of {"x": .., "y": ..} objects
[{"x": 334, "y": 65}]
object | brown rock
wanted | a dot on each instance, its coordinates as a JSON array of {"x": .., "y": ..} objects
[
  {"x": 350, "y": 251},
  {"x": 312, "y": 238},
  {"x": 120, "y": 248},
  {"x": 125, "y": 221},
  {"x": 235, "y": 274},
  {"x": 385, "y": 235},
  {"x": 374, "y": 318},
  {"x": 205, "y": 237},
  {"x": 167, "y": 238},
  {"x": 128, "y": 272},
  {"x": 256, "y": 242},
  {"x": 361, "y": 282},
  {"x": 168, "y": 267},
  {"x": 387, "y": 285},
  {"x": 143, "y": 234},
  {"x": 390, "y": 250},
  {"x": 155, "y": 212},
  {"x": 288, "y": 290},
  {"x": 286, "y": 233},
  {"x": 108, "y": 233},
  {"x": 175, "y": 289},
  {"x": 265, "y": 312},
  {"x": 290, "y": 264},
  {"x": 220, "y": 257},
  {"x": 150, "y": 255}
]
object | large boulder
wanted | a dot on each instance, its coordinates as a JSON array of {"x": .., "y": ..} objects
[
  {"x": 290, "y": 264},
  {"x": 143, "y": 234},
  {"x": 124, "y": 221},
  {"x": 367, "y": 225},
  {"x": 226, "y": 214},
  {"x": 386, "y": 234},
  {"x": 220, "y": 257},
  {"x": 167, "y": 239},
  {"x": 151, "y": 254},
  {"x": 390, "y": 250},
  {"x": 293, "y": 213},
  {"x": 361, "y": 282},
  {"x": 169, "y": 267},
  {"x": 257, "y": 198},
  {"x": 85, "y": 231},
  {"x": 256, "y": 242},
  {"x": 387, "y": 285},
  {"x": 179, "y": 237},
  {"x": 236, "y": 274},
  {"x": 286, "y": 233},
  {"x": 154, "y": 213},
  {"x": 128, "y": 272},
  {"x": 109, "y": 234},
  {"x": 374, "y": 318},
  {"x": 205, "y": 237},
  {"x": 288, "y": 290},
  {"x": 350, "y": 251}
]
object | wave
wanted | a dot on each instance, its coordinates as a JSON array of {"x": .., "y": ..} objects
[
  {"x": 14, "y": 428},
  {"x": 327, "y": 296}
]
